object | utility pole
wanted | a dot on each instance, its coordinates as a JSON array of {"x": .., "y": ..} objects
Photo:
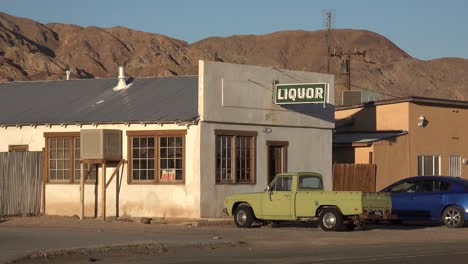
[
  {"x": 346, "y": 64},
  {"x": 328, "y": 21}
]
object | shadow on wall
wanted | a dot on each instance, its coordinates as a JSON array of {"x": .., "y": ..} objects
[
  {"x": 363, "y": 120},
  {"x": 325, "y": 112}
]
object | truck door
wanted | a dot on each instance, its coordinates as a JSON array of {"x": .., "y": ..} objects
[
  {"x": 277, "y": 202},
  {"x": 308, "y": 195}
]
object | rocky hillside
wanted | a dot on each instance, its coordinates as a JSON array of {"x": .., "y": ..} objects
[{"x": 35, "y": 51}]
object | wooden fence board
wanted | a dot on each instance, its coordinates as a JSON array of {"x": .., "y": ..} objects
[
  {"x": 354, "y": 177},
  {"x": 20, "y": 182}
]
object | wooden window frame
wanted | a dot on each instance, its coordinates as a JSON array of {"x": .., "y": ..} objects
[
  {"x": 72, "y": 136},
  {"x": 253, "y": 155},
  {"x": 18, "y": 148},
  {"x": 156, "y": 134}
]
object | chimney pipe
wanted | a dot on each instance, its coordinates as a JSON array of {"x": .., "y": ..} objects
[
  {"x": 122, "y": 83},
  {"x": 68, "y": 74}
]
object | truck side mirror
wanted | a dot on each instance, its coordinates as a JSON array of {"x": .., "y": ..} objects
[{"x": 267, "y": 189}]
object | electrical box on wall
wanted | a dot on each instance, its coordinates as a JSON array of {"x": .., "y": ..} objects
[{"x": 101, "y": 144}]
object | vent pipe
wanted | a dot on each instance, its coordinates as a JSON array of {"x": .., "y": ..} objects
[
  {"x": 122, "y": 83},
  {"x": 68, "y": 74}
]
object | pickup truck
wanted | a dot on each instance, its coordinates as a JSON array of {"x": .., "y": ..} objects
[{"x": 300, "y": 197}]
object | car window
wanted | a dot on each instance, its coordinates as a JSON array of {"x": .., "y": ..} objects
[
  {"x": 441, "y": 186},
  {"x": 411, "y": 186},
  {"x": 309, "y": 182},
  {"x": 282, "y": 183}
]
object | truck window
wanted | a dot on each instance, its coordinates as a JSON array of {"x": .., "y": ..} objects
[
  {"x": 282, "y": 184},
  {"x": 308, "y": 182}
]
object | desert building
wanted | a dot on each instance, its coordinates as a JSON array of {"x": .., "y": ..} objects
[
  {"x": 185, "y": 142},
  {"x": 404, "y": 137}
]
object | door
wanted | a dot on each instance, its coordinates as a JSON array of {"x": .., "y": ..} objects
[
  {"x": 276, "y": 204},
  {"x": 277, "y": 158}
]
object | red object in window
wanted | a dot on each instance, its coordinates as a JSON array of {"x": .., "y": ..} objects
[{"x": 168, "y": 175}]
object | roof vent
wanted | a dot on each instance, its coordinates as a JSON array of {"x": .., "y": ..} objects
[
  {"x": 122, "y": 84},
  {"x": 68, "y": 74}
]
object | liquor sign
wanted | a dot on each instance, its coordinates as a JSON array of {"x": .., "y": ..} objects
[{"x": 301, "y": 93}]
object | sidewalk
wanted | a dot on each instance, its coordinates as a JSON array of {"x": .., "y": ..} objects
[{"x": 23, "y": 236}]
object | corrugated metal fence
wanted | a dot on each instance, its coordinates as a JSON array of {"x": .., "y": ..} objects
[
  {"x": 354, "y": 177},
  {"x": 20, "y": 182}
]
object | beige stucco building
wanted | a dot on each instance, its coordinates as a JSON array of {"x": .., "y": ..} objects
[
  {"x": 188, "y": 141},
  {"x": 404, "y": 137}
]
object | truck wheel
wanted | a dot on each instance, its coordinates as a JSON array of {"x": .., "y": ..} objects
[
  {"x": 244, "y": 216},
  {"x": 453, "y": 217},
  {"x": 330, "y": 219}
]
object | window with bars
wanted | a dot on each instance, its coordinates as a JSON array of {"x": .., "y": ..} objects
[
  {"x": 157, "y": 156},
  {"x": 63, "y": 159},
  {"x": 235, "y": 156},
  {"x": 428, "y": 165}
]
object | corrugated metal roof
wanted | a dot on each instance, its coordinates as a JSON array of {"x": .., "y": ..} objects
[
  {"x": 364, "y": 137},
  {"x": 93, "y": 100}
]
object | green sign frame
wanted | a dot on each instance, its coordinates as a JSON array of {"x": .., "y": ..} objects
[{"x": 301, "y": 93}]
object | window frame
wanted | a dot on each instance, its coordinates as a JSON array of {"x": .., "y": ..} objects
[
  {"x": 66, "y": 135},
  {"x": 18, "y": 148},
  {"x": 422, "y": 156},
  {"x": 156, "y": 134},
  {"x": 253, "y": 155}
]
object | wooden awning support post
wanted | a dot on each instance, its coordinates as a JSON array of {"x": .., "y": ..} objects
[
  {"x": 82, "y": 180},
  {"x": 103, "y": 191}
]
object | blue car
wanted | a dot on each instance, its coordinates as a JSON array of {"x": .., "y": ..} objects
[{"x": 431, "y": 198}]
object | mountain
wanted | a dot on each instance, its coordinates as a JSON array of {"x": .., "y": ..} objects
[{"x": 33, "y": 51}]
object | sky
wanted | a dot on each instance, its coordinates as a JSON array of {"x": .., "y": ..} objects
[{"x": 425, "y": 29}]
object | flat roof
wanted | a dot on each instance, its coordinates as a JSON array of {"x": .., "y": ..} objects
[
  {"x": 411, "y": 99},
  {"x": 156, "y": 99}
]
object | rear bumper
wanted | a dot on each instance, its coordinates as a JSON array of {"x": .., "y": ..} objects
[{"x": 378, "y": 217}]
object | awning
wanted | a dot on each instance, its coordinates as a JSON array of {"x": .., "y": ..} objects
[{"x": 364, "y": 138}]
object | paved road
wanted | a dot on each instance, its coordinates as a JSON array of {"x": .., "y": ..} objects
[{"x": 383, "y": 244}]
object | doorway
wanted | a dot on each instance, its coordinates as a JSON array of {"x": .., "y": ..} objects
[{"x": 277, "y": 156}]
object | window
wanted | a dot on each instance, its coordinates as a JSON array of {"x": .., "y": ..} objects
[
  {"x": 455, "y": 162},
  {"x": 310, "y": 182},
  {"x": 282, "y": 184},
  {"x": 235, "y": 156},
  {"x": 156, "y": 156},
  {"x": 17, "y": 148},
  {"x": 406, "y": 187},
  {"x": 428, "y": 165},
  {"x": 63, "y": 158}
]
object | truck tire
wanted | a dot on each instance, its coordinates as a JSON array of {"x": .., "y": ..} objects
[
  {"x": 330, "y": 219},
  {"x": 244, "y": 216},
  {"x": 453, "y": 217}
]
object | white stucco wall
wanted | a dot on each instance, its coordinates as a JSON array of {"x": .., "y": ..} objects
[
  {"x": 239, "y": 97},
  {"x": 181, "y": 200},
  {"x": 231, "y": 97}
]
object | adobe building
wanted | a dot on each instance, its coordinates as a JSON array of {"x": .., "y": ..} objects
[
  {"x": 404, "y": 137},
  {"x": 187, "y": 141}
]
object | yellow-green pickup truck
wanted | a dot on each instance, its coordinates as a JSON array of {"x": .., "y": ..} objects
[{"x": 300, "y": 197}]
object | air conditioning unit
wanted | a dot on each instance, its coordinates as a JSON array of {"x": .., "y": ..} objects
[
  {"x": 101, "y": 144},
  {"x": 356, "y": 97}
]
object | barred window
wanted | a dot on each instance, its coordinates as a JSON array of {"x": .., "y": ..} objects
[
  {"x": 235, "y": 156},
  {"x": 156, "y": 156}
]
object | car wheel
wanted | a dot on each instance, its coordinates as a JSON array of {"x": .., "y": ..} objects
[
  {"x": 453, "y": 217},
  {"x": 244, "y": 216},
  {"x": 330, "y": 219}
]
